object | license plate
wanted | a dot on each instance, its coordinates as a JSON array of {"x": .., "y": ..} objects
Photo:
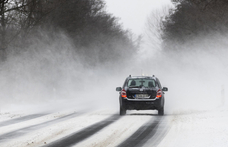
[
  {"x": 150, "y": 103},
  {"x": 142, "y": 96}
]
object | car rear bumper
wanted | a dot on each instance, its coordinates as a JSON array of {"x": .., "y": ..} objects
[{"x": 142, "y": 104}]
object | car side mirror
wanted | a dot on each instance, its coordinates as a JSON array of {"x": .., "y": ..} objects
[
  {"x": 118, "y": 88},
  {"x": 164, "y": 89}
]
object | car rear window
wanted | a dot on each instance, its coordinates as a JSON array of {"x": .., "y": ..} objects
[{"x": 141, "y": 82}]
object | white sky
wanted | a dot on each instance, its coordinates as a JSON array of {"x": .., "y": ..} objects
[{"x": 133, "y": 13}]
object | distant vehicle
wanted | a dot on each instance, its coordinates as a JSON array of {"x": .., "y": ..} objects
[{"x": 142, "y": 93}]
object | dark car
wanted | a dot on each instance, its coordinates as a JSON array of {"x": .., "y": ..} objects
[{"x": 142, "y": 93}]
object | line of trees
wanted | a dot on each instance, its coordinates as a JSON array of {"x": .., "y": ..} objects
[
  {"x": 193, "y": 18},
  {"x": 85, "y": 22}
]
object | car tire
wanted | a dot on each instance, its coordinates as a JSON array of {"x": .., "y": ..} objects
[
  {"x": 161, "y": 111},
  {"x": 122, "y": 111}
]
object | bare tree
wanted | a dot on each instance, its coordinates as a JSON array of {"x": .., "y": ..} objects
[
  {"x": 3, "y": 28},
  {"x": 18, "y": 17},
  {"x": 154, "y": 26},
  {"x": 11, "y": 15}
]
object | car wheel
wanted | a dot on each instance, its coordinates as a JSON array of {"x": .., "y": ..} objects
[
  {"x": 161, "y": 111},
  {"x": 122, "y": 111}
]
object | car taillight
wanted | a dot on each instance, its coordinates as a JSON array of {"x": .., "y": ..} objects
[
  {"x": 159, "y": 93},
  {"x": 123, "y": 93}
]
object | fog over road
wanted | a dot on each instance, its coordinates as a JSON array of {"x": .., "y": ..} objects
[
  {"x": 61, "y": 62},
  {"x": 107, "y": 128}
]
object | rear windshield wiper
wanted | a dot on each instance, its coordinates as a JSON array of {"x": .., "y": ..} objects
[{"x": 134, "y": 86}]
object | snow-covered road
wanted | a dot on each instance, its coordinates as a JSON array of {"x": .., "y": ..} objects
[{"x": 107, "y": 128}]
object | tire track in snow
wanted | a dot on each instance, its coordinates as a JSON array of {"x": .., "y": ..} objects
[
  {"x": 116, "y": 133},
  {"x": 143, "y": 134},
  {"x": 25, "y": 130},
  {"x": 76, "y": 137},
  {"x": 20, "y": 119}
]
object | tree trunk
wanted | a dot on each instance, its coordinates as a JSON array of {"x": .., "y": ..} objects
[{"x": 3, "y": 32}]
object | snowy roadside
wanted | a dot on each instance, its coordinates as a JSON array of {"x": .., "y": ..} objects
[{"x": 202, "y": 129}]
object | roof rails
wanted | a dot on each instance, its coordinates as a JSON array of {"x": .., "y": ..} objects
[{"x": 147, "y": 76}]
